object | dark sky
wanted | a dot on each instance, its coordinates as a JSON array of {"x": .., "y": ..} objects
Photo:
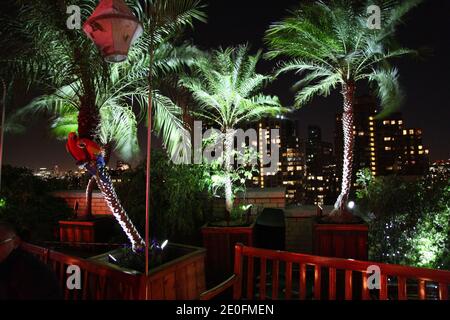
[{"x": 231, "y": 22}]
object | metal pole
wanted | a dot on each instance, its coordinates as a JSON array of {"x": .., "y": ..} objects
[
  {"x": 2, "y": 133},
  {"x": 149, "y": 149}
]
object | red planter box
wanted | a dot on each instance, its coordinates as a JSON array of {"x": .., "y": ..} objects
[
  {"x": 88, "y": 231},
  {"x": 219, "y": 243},
  {"x": 341, "y": 241}
]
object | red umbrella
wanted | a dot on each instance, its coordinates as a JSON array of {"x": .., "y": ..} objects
[{"x": 113, "y": 28}]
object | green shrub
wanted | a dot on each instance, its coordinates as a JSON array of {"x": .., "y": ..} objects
[
  {"x": 178, "y": 199},
  {"x": 408, "y": 220}
]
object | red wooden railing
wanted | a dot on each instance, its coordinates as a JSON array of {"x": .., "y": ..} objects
[
  {"x": 267, "y": 274},
  {"x": 99, "y": 282}
]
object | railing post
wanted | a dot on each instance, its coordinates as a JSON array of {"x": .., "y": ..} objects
[{"x": 237, "y": 290}]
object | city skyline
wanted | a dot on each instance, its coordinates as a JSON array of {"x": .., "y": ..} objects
[{"x": 425, "y": 86}]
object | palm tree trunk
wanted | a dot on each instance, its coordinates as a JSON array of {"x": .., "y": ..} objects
[
  {"x": 348, "y": 91},
  {"x": 228, "y": 155},
  {"x": 107, "y": 189},
  {"x": 88, "y": 119}
]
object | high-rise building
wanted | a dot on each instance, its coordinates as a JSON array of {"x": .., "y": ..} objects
[
  {"x": 321, "y": 179},
  {"x": 291, "y": 163},
  {"x": 384, "y": 145}
]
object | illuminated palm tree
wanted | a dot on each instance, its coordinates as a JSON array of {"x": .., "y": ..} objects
[
  {"x": 227, "y": 89},
  {"x": 333, "y": 45},
  {"x": 83, "y": 87}
]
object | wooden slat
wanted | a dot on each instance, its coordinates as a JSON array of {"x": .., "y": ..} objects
[
  {"x": 402, "y": 294},
  {"x": 250, "y": 266},
  {"x": 317, "y": 281},
  {"x": 288, "y": 279},
  {"x": 302, "y": 294},
  {"x": 85, "y": 286},
  {"x": 422, "y": 290},
  {"x": 211, "y": 293},
  {"x": 383, "y": 289},
  {"x": 262, "y": 280},
  {"x": 365, "y": 295},
  {"x": 348, "y": 285},
  {"x": 332, "y": 284},
  {"x": 275, "y": 278},
  {"x": 443, "y": 291},
  {"x": 237, "y": 288}
]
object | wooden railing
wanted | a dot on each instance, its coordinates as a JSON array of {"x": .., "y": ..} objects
[
  {"x": 99, "y": 282},
  {"x": 267, "y": 274}
]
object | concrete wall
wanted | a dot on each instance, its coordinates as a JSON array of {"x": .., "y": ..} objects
[
  {"x": 260, "y": 198},
  {"x": 99, "y": 206}
]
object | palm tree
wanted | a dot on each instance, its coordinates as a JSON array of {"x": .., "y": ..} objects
[
  {"x": 227, "y": 89},
  {"x": 87, "y": 89},
  {"x": 333, "y": 45}
]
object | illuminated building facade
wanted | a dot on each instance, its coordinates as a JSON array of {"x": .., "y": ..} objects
[
  {"x": 384, "y": 145},
  {"x": 291, "y": 164},
  {"x": 321, "y": 180}
]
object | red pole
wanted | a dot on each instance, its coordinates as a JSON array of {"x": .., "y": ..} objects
[
  {"x": 2, "y": 129},
  {"x": 149, "y": 148}
]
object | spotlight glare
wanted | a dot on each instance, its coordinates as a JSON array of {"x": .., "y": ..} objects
[{"x": 351, "y": 205}]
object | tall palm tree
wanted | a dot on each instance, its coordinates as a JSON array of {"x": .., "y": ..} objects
[
  {"x": 333, "y": 45},
  {"x": 67, "y": 64},
  {"x": 227, "y": 89}
]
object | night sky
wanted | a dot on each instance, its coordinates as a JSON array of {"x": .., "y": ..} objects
[{"x": 231, "y": 22}]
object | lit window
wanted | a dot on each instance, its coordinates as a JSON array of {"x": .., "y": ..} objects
[
  {"x": 387, "y": 138},
  {"x": 386, "y": 122},
  {"x": 372, "y": 144},
  {"x": 371, "y": 128},
  {"x": 405, "y": 132},
  {"x": 412, "y": 152},
  {"x": 373, "y": 158},
  {"x": 361, "y": 133},
  {"x": 387, "y": 148},
  {"x": 400, "y": 122},
  {"x": 421, "y": 152},
  {"x": 420, "y": 147},
  {"x": 393, "y": 122},
  {"x": 411, "y": 131}
]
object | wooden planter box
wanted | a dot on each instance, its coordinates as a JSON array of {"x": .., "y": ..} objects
[
  {"x": 219, "y": 243},
  {"x": 341, "y": 241},
  {"x": 86, "y": 231},
  {"x": 180, "y": 279}
]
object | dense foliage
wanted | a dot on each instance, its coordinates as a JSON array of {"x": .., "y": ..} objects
[
  {"x": 409, "y": 220},
  {"x": 26, "y": 203},
  {"x": 178, "y": 200}
]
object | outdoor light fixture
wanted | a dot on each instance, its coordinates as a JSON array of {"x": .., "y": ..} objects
[
  {"x": 164, "y": 244},
  {"x": 113, "y": 28},
  {"x": 351, "y": 205}
]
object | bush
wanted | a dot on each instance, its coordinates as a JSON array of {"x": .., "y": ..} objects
[
  {"x": 408, "y": 220},
  {"x": 178, "y": 199},
  {"x": 26, "y": 203}
]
